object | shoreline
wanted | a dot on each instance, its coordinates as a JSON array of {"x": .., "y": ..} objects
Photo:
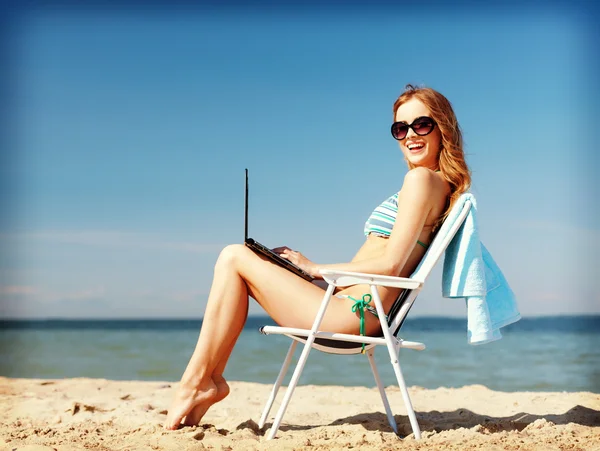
[{"x": 83, "y": 413}]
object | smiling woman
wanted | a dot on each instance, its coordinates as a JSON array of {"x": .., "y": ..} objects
[
  {"x": 397, "y": 235},
  {"x": 429, "y": 135}
]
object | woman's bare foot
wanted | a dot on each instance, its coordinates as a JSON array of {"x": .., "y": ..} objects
[
  {"x": 198, "y": 412},
  {"x": 187, "y": 398}
]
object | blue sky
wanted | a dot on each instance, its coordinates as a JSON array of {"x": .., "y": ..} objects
[{"x": 130, "y": 133}]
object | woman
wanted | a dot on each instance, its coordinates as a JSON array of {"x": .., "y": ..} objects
[{"x": 430, "y": 139}]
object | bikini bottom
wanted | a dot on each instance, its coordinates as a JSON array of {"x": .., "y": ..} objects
[{"x": 368, "y": 308}]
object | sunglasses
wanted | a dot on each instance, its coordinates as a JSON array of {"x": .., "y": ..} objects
[{"x": 421, "y": 126}]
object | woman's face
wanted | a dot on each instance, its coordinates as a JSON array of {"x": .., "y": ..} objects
[{"x": 419, "y": 150}]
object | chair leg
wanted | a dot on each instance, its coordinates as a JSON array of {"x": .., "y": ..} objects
[
  {"x": 301, "y": 362},
  {"x": 409, "y": 408},
  {"x": 393, "y": 352},
  {"x": 282, "y": 373},
  {"x": 386, "y": 404}
]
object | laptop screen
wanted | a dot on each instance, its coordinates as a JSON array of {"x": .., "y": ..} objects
[{"x": 246, "y": 210}]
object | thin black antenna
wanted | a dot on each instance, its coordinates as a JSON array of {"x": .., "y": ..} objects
[{"x": 246, "y": 212}]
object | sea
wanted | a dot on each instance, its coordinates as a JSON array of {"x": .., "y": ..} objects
[{"x": 560, "y": 353}]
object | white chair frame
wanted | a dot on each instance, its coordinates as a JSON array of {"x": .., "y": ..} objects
[{"x": 411, "y": 289}]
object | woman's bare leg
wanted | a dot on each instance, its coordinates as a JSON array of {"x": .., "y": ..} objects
[
  {"x": 288, "y": 299},
  {"x": 196, "y": 414},
  {"x": 224, "y": 318},
  {"x": 194, "y": 417}
]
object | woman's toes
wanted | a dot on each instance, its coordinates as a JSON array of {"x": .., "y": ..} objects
[
  {"x": 186, "y": 399},
  {"x": 194, "y": 417},
  {"x": 173, "y": 420}
]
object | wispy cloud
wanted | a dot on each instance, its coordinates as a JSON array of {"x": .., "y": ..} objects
[
  {"x": 21, "y": 301},
  {"x": 27, "y": 292},
  {"x": 110, "y": 238},
  {"x": 18, "y": 290},
  {"x": 188, "y": 296},
  {"x": 90, "y": 294},
  {"x": 176, "y": 295}
]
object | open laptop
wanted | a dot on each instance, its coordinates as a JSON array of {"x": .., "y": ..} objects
[{"x": 268, "y": 253}]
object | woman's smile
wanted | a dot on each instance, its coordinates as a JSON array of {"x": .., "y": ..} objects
[{"x": 415, "y": 147}]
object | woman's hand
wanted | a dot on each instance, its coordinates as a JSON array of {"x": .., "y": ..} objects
[{"x": 298, "y": 259}]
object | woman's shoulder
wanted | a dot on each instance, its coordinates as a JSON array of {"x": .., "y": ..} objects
[
  {"x": 420, "y": 177},
  {"x": 425, "y": 182}
]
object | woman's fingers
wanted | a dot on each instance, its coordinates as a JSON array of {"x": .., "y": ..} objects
[
  {"x": 289, "y": 254},
  {"x": 293, "y": 256}
]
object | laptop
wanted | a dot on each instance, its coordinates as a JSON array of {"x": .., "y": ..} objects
[{"x": 268, "y": 253}]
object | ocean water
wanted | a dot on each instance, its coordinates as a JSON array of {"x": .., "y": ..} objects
[{"x": 536, "y": 354}]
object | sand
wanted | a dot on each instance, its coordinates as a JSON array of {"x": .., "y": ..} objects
[{"x": 98, "y": 414}]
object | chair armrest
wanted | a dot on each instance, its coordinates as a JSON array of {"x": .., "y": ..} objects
[{"x": 346, "y": 278}]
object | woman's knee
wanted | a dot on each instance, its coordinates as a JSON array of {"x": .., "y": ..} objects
[{"x": 230, "y": 255}]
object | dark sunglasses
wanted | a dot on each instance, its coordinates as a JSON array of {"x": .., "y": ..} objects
[{"x": 421, "y": 126}]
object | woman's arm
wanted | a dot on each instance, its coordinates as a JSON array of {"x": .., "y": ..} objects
[{"x": 416, "y": 199}]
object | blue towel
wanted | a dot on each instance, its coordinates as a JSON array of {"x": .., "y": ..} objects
[{"x": 471, "y": 273}]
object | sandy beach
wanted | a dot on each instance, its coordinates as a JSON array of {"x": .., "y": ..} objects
[{"x": 98, "y": 414}]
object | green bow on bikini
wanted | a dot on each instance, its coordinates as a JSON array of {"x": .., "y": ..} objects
[{"x": 360, "y": 305}]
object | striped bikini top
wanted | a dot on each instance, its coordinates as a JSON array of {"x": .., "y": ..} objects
[{"x": 382, "y": 219}]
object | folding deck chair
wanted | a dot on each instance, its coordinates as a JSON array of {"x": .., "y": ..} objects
[{"x": 335, "y": 343}]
